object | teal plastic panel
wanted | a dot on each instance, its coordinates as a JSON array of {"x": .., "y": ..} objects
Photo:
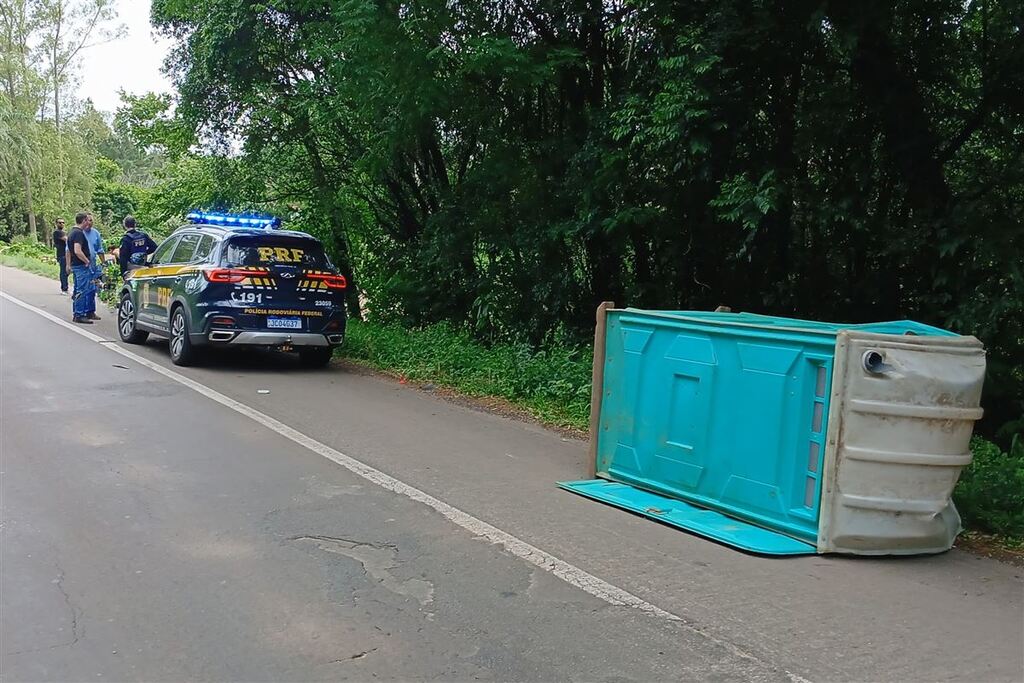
[
  {"x": 726, "y": 415},
  {"x": 676, "y": 513}
]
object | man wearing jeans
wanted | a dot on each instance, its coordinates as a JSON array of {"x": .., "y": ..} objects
[
  {"x": 79, "y": 256},
  {"x": 98, "y": 253},
  {"x": 60, "y": 244}
]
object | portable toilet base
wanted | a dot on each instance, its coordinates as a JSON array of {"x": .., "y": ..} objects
[{"x": 782, "y": 436}]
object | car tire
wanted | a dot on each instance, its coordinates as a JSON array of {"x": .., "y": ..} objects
[
  {"x": 126, "y": 319},
  {"x": 315, "y": 357},
  {"x": 179, "y": 343}
]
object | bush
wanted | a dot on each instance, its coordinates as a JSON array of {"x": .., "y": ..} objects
[
  {"x": 34, "y": 257},
  {"x": 552, "y": 382},
  {"x": 27, "y": 248},
  {"x": 111, "y": 285},
  {"x": 990, "y": 494}
]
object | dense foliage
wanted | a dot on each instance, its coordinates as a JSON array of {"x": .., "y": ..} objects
[
  {"x": 552, "y": 382},
  {"x": 990, "y": 493},
  {"x": 49, "y": 140},
  {"x": 31, "y": 256}
]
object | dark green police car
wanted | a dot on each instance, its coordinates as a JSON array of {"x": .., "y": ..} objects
[{"x": 231, "y": 280}]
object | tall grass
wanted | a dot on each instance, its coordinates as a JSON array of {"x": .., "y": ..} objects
[
  {"x": 552, "y": 383},
  {"x": 32, "y": 264}
]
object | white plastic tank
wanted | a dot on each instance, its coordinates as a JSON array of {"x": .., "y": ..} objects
[{"x": 900, "y": 422}]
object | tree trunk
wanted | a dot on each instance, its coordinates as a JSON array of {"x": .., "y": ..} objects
[
  {"x": 56, "y": 104},
  {"x": 328, "y": 206},
  {"x": 29, "y": 208}
]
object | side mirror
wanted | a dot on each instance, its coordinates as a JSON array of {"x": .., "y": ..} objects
[{"x": 149, "y": 259}]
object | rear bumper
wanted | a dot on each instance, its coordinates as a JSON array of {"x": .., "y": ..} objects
[
  {"x": 227, "y": 337},
  {"x": 250, "y": 330}
]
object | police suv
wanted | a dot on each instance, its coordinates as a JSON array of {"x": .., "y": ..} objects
[{"x": 234, "y": 280}]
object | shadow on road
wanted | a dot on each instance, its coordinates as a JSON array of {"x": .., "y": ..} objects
[{"x": 260, "y": 361}]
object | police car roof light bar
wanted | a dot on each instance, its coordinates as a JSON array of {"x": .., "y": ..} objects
[{"x": 211, "y": 218}]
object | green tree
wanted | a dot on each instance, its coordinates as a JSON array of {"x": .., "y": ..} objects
[
  {"x": 22, "y": 96},
  {"x": 67, "y": 29}
]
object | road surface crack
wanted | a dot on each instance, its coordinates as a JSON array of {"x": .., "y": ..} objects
[
  {"x": 76, "y": 634},
  {"x": 352, "y": 543},
  {"x": 358, "y": 655}
]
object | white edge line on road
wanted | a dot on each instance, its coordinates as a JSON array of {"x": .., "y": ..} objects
[{"x": 571, "y": 574}]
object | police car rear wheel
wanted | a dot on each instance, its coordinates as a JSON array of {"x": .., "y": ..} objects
[
  {"x": 182, "y": 351},
  {"x": 316, "y": 357},
  {"x": 126, "y": 322}
]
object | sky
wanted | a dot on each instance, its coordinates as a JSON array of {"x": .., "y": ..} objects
[{"x": 131, "y": 63}]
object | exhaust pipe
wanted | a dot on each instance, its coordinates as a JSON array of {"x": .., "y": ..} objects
[
  {"x": 335, "y": 338},
  {"x": 221, "y": 335}
]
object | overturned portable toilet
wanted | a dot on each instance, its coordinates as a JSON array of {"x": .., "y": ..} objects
[{"x": 782, "y": 436}]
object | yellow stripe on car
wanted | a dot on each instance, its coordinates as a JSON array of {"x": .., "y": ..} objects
[{"x": 161, "y": 271}]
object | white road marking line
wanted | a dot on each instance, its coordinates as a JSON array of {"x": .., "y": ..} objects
[{"x": 571, "y": 574}]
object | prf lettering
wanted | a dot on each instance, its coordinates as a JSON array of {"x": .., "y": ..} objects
[{"x": 280, "y": 254}]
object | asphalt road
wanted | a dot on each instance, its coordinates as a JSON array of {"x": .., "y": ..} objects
[{"x": 151, "y": 533}]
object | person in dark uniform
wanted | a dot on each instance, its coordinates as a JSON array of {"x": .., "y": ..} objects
[
  {"x": 60, "y": 245},
  {"x": 135, "y": 246}
]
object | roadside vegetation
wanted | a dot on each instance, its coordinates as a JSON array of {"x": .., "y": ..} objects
[
  {"x": 31, "y": 256},
  {"x": 552, "y": 382},
  {"x": 990, "y": 493},
  {"x": 40, "y": 259}
]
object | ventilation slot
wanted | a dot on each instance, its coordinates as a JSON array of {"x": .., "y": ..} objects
[{"x": 817, "y": 435}]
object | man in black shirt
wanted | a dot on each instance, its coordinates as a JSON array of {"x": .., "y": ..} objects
[
  {"x": 79, "y": 256},
  {"x": 60, "y": 244}
]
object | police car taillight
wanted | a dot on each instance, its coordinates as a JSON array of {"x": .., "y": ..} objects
[
  {"x": 332, "y": 281},
  {"x": 232, "y": 275}
]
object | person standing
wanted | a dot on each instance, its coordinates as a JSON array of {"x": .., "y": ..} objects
[
  {"x": 80, "y": 259},
  {"x": 135, "y": 246},
  {"x": 60, "y": 245},
  {"x": 99, "y": 253},
  {"x": 96, "y": 254},
  {"x": 95, "y": 241}
]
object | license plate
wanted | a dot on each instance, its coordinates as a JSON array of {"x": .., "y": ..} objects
[{"x": 284, "y": 323}]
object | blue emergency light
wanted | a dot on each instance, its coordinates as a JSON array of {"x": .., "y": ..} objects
[{"x": 241, "y": 220}]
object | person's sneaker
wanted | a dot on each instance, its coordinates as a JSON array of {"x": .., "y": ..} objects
[
  {"x": 63, "y": 292},
  {"x": 81, "y": 319},
  {"x": 93, "y": 316}
]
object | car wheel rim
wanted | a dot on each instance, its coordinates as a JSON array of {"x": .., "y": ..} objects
[
  {"x": 177, "y": 334},
  {"x": 127, "y": 315}
]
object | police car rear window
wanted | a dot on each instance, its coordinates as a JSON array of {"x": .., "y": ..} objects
[{"x": 260, "y": 251}]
